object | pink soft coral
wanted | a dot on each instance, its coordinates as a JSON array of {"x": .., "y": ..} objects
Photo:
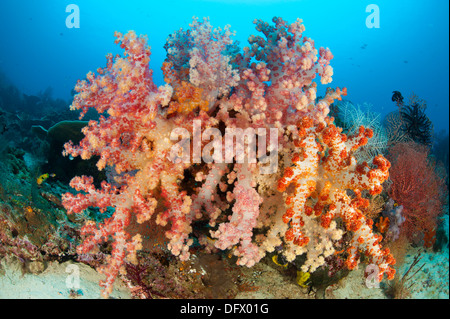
[{"x": 209, "y": 83}]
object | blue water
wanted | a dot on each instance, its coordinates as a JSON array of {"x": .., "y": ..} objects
[{"x": 409, "y": 52}]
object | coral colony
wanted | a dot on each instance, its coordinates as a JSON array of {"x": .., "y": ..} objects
[{"x": 272, "y": 171}]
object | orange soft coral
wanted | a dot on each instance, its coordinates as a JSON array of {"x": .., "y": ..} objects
[
  {"x": 321, "y": 175},
  {"x": 383, "y": 224},
  {"x": 187, "y": 98}
]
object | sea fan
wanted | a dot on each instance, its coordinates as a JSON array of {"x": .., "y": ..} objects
[{"x": 351, "y": 117}]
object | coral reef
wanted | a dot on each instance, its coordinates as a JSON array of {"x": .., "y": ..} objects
[
  {"x": 212, "y": 88},
  {"x": 233, "y": 179}
]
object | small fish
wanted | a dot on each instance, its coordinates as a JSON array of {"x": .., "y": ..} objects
[
  {"x": 43, "y": 177},
  {"x": 302, "y": 278},
  {"x": 279, "y": 262}
]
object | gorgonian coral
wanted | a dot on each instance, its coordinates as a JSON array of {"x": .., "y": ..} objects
[{"x": 417, "y": 187}]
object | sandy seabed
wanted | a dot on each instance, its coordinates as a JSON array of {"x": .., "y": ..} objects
[{"x": 56, "y": 282}]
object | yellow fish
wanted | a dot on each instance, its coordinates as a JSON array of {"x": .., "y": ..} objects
[
  {"x": 43, "y": 177},
  {"x": 275, "y": 260},
  {"x": 302, "y": 278}
]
